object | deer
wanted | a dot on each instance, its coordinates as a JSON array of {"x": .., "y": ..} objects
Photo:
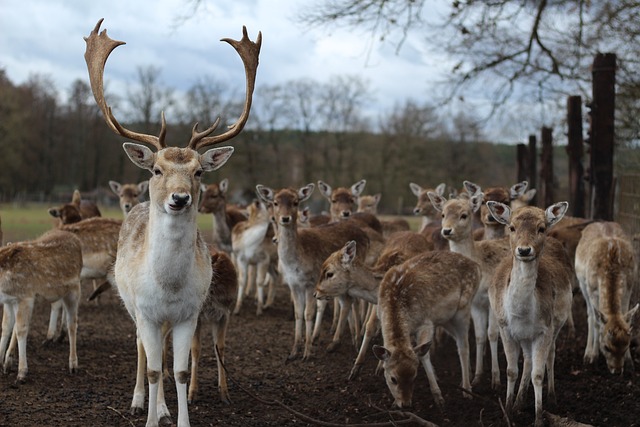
[
  {"x": 77, "y": 210},
  {"x": 344, "y": 274},
  {"x": 433, "y": 289},
  {"x": 369, "y": 204},
  {"x": 606, "y": 270},
  {"x": 531, "y": 297},
  {"x": 215, "y": 313},
  {"x": 128, "y": 194},
  {"x": 48, "y": 267},
  {"x": 300, "y": 256},
  {"x": 256, "y": 256},
  {"x": 431, "y": 221},
  {"x": 225, "y": 217},
  {"x": 457, "y": 228},
  {"x": 163, "y": 266}
]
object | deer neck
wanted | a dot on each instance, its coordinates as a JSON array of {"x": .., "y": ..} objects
[
  {"x": 521, "y": 290},
  {"x": 427, "y": 221},
  {"x": 364, "y": 285},
  {"x": 289, "y": 248},
  {"x": 493, "y": 232},
  {"x": 221, "y": 231},
  {"x": 466, "y": 247}
]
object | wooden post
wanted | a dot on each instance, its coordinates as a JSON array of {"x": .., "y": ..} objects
[
  {"x": 601, "y": 137},
  {"x": 522, "y": 162},
  {"x": 533, "y": 168},
  {"x": 546, "y": 166},
  {"x": 575, "y": 151}
]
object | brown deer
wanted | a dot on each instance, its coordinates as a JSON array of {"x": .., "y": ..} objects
[
  {"x": 163, "y": 266},
  {"x": 369, "y": 204},
  {"x": 424, "y": 208},
  {"x": 128, "y": 194},
  {"x": 429, "y": 290},
  {"x": 49, "y": 267},
  {"x": 215, "y": 314},
  {"x": 77, "y": 210},
  {"x": 345, "y": 274},
  {"x": 531, "y": 297},
  {"x": 606, "y": 270},
  {"x": 457, "y": 228},
  {"x": 256, "y": 256},
  {"x": 301, "y": 253},
  {"x": 225, "y": 217}
]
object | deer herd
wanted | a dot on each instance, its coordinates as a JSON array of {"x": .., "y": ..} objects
[{"x": 479, "y": 258}]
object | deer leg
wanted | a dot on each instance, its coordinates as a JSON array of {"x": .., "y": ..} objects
[
  {"x": 261, "y": 284},
  {"x": 52, "y": 330},
  {"x": 459, "y": 329},
  {"x": 8, "y": 338},
  {"x": 196, "y": 347},
  {"x": 242, "y": 284},
  {"x": 298, "y": 298},
  {"x": 309, "y": 313},
  {"x": 336, "y": 316},
  {"x": 321, "y": 307},
  {"x": 424, "y": 335},
  {"x": 512, "y": 354},
  {"x": 541, "y": 350},
  {"x": 480, "y": 320},
  {"x": 182, "y": 335},
  {"x": 494, "y": 334},
  {"x": 345, "y": 304},
  {"x": 137, "y": 403},
  {"x": 371, "y": 330},
  {"x": 70, "y": 302},
  {"x": 251, "y": 279},
  {"x": 219, "y": 330},
  {"x": 151, "y": 336},
  {"x": 23, "y": 317},
  {"x": 523, "y": 389}
]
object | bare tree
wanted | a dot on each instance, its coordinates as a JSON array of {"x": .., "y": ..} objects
[{"x": 150, "y": 98}]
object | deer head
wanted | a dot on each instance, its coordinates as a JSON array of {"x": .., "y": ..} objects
[{"x": 175, "y": 184}]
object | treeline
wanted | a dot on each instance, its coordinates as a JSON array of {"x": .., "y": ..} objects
[{"x": 296, "y": 134}]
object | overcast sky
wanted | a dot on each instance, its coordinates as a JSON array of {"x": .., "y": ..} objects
[{"x": 46, "y": 37}]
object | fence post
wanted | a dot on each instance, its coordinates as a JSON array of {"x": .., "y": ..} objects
[
  {"x": 533, "y": 168},
  {"x": 601, "y": 136},
  {"x": 522, "y": 162},
  {"x": 546, "y": 166},
  {"x": 575, "y": 151}
]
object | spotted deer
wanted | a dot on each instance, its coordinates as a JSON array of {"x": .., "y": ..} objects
[
  {"x": 215, "y": 314},
  {"x": 531, "y": 297},
  {"x": 457, "y": 228},
  {"x": 606, "y": 269},
  {"x": 429, "y": 290},
  {"x": 424, "y": 208},
  {"x": 48, "y": 267},
  {"x": 225, "y": 217},
  {"x": 301, "y": 252},
  {"x": 345, "y": 274},
  {"x": 163, "y": 265},
  {"x": 77, "y": 210},
  {"x": 256, "y": 256},
  {"x": 128, "y": 194}
]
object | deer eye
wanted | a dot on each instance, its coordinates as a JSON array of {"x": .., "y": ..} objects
[
  {"x": 512, "y": 229},
  {"x": 157, "y": 172},
  {"x": 329, "y": 274},
  {"x": 198, "y": 173},
  {"x": 394, "y": 380},
  {"x": 541, "y": 230},
  {"x": 442, "y": 215},
  {"x": 463, "y": 216}
]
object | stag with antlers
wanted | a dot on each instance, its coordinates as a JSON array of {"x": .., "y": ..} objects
[{"x": 163, "y": 266}]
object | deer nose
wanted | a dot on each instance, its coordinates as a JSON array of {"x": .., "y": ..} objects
[
  {"x": 446, "y": 232},
  {"x": 285, "y": 220},
  {"x": 524, "y": 251},
  {"x": 416, "y": 211},
  {"x": 345, "y": 214},
  {"x": 127, "y": 207},
  {"x": 180, "y": 199}
]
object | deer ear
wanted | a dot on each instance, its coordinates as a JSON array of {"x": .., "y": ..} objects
[
  {"x": 437, "y": 200},
  {"x": 422, "y": 349},
  {"x": 518, "y": 189},
  {"x": 476, "y": 200},
  {"x": 54, "y": 212},
  {"x": 440, "y": 188},
  {"x": 381, "y": 353},
  {"x": 632, "y": 316},
  {"x": 115, "y": 186},
  {"x": 76, "y": 199},
  {"x": 471, "y": 188},
  {"x": 555, "y": 213},
  {"x": 224, "y": 185},
  {"x": 325, "y": 189},
  {"x": 358, "y": 187},
  {"x": 140, "y": 155},
  {"x": 349, "y": 252},
  {"x": 305, "y": 192},
  {"x": 499, "y": 211},
  {"x": 216, "y": 157},
  {"x": 143, "y": 186},
  {"x": 265, "y": 193},
  {"x": 415, "y": 189}
]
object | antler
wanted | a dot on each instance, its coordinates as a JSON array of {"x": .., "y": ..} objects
[
  {"x": 249, "y": 52},
  {"x": 99, "y": 47}
]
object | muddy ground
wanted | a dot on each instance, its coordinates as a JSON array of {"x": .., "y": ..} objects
[{"x": 100, "y": 393}]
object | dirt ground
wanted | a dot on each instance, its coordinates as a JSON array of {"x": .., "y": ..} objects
[{"x": 100, "y": 393}]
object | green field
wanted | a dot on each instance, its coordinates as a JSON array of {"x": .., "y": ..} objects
[{"x": 28, "y": 221}]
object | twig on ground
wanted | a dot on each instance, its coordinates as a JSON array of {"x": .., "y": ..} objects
[{"x": 120, "y": 413}]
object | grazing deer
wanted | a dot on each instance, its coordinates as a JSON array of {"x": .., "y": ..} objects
[
  {"x": 215, "y": 314},
  {"x": 457, "y": 228},
  {"x": 256, "y": 256},
  {"x": 369, "y": 204},
  {"x": 214, "y": 201},
  {"x": 344, "y": 274},
  {"x": 531, "y": 297},
  {"x": 429, "y": 290},
  {"x": 163, "y": 266},
  {"x": 49, "y": 267},
  {"x": 605, "y": 267},
  {"x": 75, "y": 211},
  {"x": 128, "y": 194},
  {"x": 300, "y": 256}
]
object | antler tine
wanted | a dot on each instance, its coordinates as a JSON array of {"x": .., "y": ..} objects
[
  {"x": 249, "y": 52},
  {"x": 99, "y": 47},
  {"x": 196, "y": 136}
]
